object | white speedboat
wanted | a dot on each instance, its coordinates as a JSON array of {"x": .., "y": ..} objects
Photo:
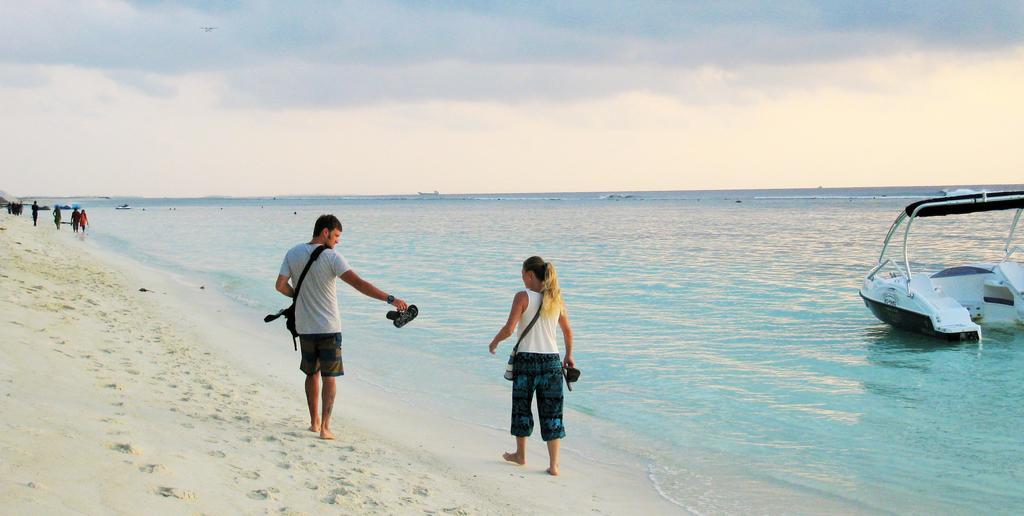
[
  {"x": 123, "y": 207},
  {"x": 951, "y": 302}
]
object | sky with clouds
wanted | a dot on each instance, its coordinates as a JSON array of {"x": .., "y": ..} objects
[{"x": 106, "y": 97}]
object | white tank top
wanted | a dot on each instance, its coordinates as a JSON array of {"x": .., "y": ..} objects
[{"x": 541, "y": 338}]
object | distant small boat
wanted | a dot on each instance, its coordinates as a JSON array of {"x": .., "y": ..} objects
[
  {"x": 123, "y": 207},
  {"x": 435, "y": 193},
  {"x": 953, "y": 192}
]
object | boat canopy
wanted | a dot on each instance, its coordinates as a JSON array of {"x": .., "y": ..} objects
[
  {"x": 961, "y": 204},
  {"x": 954, "y": 205}
]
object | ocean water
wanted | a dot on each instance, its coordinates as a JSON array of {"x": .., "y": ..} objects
[{"x": 725, "y": 351}]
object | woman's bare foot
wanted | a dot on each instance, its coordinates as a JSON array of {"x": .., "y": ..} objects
[
  {"x": 314, "y": 427},
  {"x": 512, "y": 457},
  {"x": 326, "y": 434},
  {"x": 553, "y": 471}
]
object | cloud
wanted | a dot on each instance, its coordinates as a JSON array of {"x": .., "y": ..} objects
[
  {"x": 22, "y": 77},
  {"x": 314, "y": 52},
  {"x": 913, "y": 121},
  {"x": 149, "y": 84}
]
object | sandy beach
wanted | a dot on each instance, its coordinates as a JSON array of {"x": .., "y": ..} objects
[{"x": 118, "y": 401}]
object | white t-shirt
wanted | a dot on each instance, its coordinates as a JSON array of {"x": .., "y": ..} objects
[
  {"x": 541, "y": 338},
  {"x": 316, "y": 309}
]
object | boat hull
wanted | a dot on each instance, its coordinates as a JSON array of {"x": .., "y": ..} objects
[{"x": 913, "y": 321}]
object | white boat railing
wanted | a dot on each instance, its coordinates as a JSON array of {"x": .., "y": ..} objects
[
  {"x": 1009, "y": 239},
  {"x": 874, "y": 270},
  {"x": 906, "y": 253},
  {"x": 888, "y": 236}
]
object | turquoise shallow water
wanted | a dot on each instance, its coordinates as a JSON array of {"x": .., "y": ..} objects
[{"x": 724, "y": 346}]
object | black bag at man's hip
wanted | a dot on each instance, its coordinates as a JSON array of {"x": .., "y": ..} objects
[{"x": 289, "y": 313}]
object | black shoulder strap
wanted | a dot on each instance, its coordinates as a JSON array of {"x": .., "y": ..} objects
[
  {"x": 528, "y": 326},
  {"x": 312, "y": 258}
]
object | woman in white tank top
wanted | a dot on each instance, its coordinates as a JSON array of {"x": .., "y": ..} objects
[{"x": 538, "y": 368}]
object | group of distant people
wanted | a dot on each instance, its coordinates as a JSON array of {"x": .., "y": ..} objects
[
  {"x": 79, "y": 219},
  {"x": 14, "y": 208}
]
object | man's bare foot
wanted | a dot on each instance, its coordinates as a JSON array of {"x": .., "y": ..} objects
[
  {"x": 512, "y": 457},
  {"x": 326, "y": 434},
  {"x": 314, "y": 427},
  {"x": 553, "y": 471}
]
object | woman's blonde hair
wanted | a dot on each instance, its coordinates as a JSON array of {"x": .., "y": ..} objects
[{"x": 546, "y": 273}]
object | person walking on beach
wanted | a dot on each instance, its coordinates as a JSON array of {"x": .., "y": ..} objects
[
  {"x": 35, "y": 212},
  {"x": 317, "y": 317},
  {"x": 536, "y": 364},
  {"x": 75, "y": 216},
  {"x": 56, "y": 216},
  {"x": 83, "y": 220}
]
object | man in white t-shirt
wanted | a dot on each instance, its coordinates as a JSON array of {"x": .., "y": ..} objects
[{"x": 317, "y": 318}]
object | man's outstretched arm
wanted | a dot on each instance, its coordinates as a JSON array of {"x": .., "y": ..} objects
[{"x": 369, "y": 290}]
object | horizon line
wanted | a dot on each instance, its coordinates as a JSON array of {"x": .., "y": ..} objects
[{"x": 312, "y": 195}]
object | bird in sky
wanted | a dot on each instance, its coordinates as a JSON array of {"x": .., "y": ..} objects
[{"x": 208, "y": 29}]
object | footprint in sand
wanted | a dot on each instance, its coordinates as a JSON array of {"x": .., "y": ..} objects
[
  {"x": 421, "y": 491},
  {"x": 217, "y": 453},
  {"x": 115, "y": 386},
  {"x": 251, "y": 475},
  {"x": 153, "y": 468},
  {"x": 337, "y": 496},
  {"x": 181, "y": 494},
  {"x": 126, "y": 448},
  {"x": 264, "y": 494}
]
